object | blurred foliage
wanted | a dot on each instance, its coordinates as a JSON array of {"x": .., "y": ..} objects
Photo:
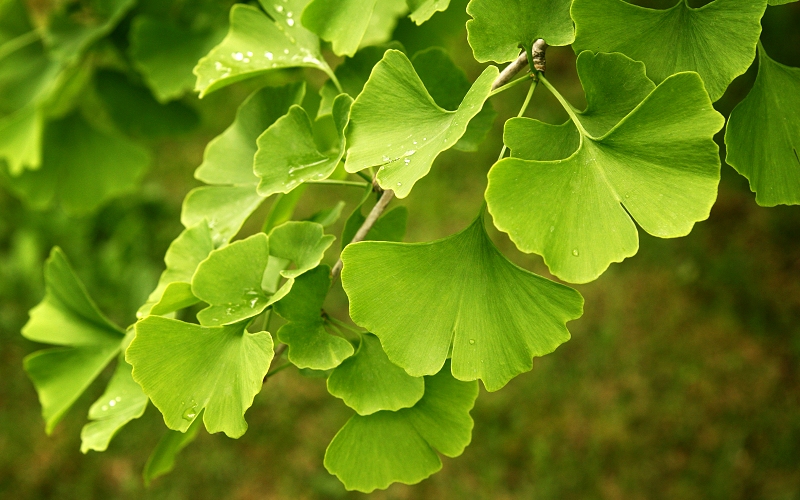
[{"x": 682, "y": 380}]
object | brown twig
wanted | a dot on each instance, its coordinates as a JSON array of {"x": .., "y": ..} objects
[
  {"x": 370, "y": 221},
  {"x": 510, "y": 71}
]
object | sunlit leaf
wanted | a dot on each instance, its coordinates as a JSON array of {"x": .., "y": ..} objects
[
  {"x": 257, "y": 43},
  {"x": 185, "y": 368},
  {"x": 396, "y": 125},
  {"x": 341, "y": 22},
  {"x": 122, "y": 401},
  {"x": 371, "y": 452},
  {"x": 183, "y": 256},
  {"x": 67, "y": 317},
  {"x": 21, "y": 139},
  {"x": 718, "y": 40},
  {"x": 659, "y": 166},
  {"x": 422, "y": 10},
  {"x": 303, "y": 243},
  {"x": 289, "y": 155},
  {"x": 499, "y": 27},
  {"x": 368, "y": 382},
  {"x": 383, "y": 21},
  {"x": 763, "y": 135},
  {"x": 225, "y": 208},
  {"x": 310, "y": 344},
  {"x": 448, "y": 85},
  {"x": 457, "y": 295}
]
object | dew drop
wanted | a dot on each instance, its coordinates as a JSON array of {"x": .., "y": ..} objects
[
  {"x": 399, "y": 184},
  {"x": 289, "y": 14},
  {"x": 415, "y": 143},
  {"x": 407, "y": 161},
  {"x": 246, "y": 60},
  {"x": 104, "y": 408},
  {"x": 627, "y": 196},
  {"x": 471, "y": 341},
  {"x": 237, "y": 56},
  {"x": 290, "y": 22},
  {"x": 189, "y": 414},
  {"x": 552, "y": 228},
  {"x": 285, "y": 51},
  {"x": 112, "y": 403},
  {"x": 385, "y": 158},
  {"x": 279, "y": 8},
  {"x": 117, "y": 399},
  {"x": 268, "y": 55},
  {"x": 575, "y": 252},
  {"x": 253, "y": 303},
  {"x": 249, "y": 54}
]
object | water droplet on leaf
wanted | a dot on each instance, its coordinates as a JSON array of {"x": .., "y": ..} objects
[{"x": 575, "y": 252}]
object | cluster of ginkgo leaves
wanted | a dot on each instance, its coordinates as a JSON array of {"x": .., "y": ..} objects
[{"x": 433, "y": 318}]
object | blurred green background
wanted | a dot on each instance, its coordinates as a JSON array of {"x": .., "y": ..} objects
[{"x": 682, "y": 379}]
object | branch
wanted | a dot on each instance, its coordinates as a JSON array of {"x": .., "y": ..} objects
[
  {"x": 539, "y": 62},
  {"x": 372, "y": 218},
  {"x": 278, "y": 353}
]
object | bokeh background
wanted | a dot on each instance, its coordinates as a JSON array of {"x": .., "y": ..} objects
[{"x": 682, "y": 379}]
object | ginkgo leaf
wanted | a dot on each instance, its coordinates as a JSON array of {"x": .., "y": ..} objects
[
  {"x": 228, "y": 163},
  {"x": 71, "y": 31},
  {"x": 457, "y": 295},
  {"x": 228, "y": 158},
  {"x": 162, "y": 460},
  {"x": 82, "y": 167},
  {"x": 257, "y": 42},
  {"x": 391, "y": 226},
  {"x": 328, "y": 216},
  {"x": 499, "y": 27},
  {"x": 396, "y": 125},
  {"x": 289, "y": 155},
  {"x": 88, "y": 341},
  {"x": 763, "y": 135},
  {"x": 368, "y": 382},
  {"x": 303, "y": 243},
  {"x": 183, "y": 256},
  {"x": 352, "y": 74},
  {"x": 383, "y": 22},
  {"x": 229, "y": 280},
  {"x": 166, "y": 53},
  {"x": 659, "y": 166},
  {"x": 371, "y": 452},
  {"x": 341, "y": 22},
  {"x": 310, "y": 345},
  {"x": 448, "y": 85},
  {"x": 717, "y": 40},
  {"x": 226, "y": 208},
  {"x": 122, "y": 401},
  {"x": 533, "y": 140},
  {"x": 422, "y": 10},
  {"x": 185, "y": 368}
]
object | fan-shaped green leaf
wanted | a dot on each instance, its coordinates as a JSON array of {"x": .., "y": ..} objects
[
  {"x": 122, "y": 401},
  {"x": 499, "y": 28},
  {"x": 448, "y": 85},
  {"x": 310, "y": 345},
  {"x": 21, "y": 139},
  {"x": 328, "y": 216},
  {"x": 353, "y": 73},
  {"x": 763, "y": 135},
  {"x": 459, "y": 295},
  {"x": 228, "y": 158},
  {"x": 257, "y": 43},
  {"x": 371, "y": 452},
  {"x": 369, "y": 382},
  {"x": 185, "y": 368},
  {"x": 183, "y": 256},
  {"x": 166, "y": 53},
  {"x": 718, "y": 40},
  {"x": 82, "y": 167},
  {"x": 288, "y": 154},
  {"x": 341, "y": 22},
  {"x": 303, "y": 243},
  {"x": 229, "y": 280},
  {"x": 226, "y": 208},
  {"x": 422, "y": 10},
  {"x": 162, "y": 460},
  {"x": 67, "y": 317},
  {"x": 659, "y": 165},
  {"x": 383, "y": 22},
  {"x": 395, "y": 124}
]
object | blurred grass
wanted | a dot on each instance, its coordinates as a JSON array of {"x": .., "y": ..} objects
[{"x": 681, "y": 380}]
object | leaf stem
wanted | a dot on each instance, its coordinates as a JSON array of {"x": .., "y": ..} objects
[
  {"x": 564, "y": 104},
  {"x": 364, "y": 176},
  {"x": 333, "y": 78},
  {"x": 334, "y": 182},
  {"x": 370, "y": 221},
  {"x": 509, "y": 85},
  {"x": 276, "y": 370},
  {"x": 341, "y": 324},
  {"x": 522, "y": 110},
  {"x": 19, "y": 42}
]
